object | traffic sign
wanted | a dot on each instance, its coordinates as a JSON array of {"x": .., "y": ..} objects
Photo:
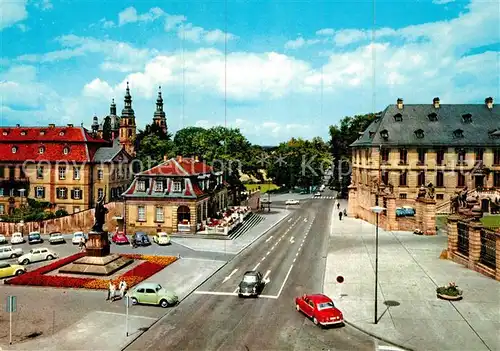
[
  {"x": 11, "y": 304},
  {"x": 340, "y": 279}
]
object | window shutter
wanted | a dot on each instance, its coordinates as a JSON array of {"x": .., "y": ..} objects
[
  {"x": 65, "y": 193},
  {"x": 43, "y": 192},
  {"x": 73, "y": 194}
]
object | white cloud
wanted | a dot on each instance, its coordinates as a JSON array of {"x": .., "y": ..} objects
[
  {"x": 199, "y": 34},
  {"x": 130, "y": 15},
  {"x": 106, "y": 23},
  {"x": 44, "y": 5},
  {"x": 442, "y": 2},
  {"x": 12, "y": 12},
  {"x": 172, "y": 21},
  {"x": 300, "y": 42},
  {"x": 98, "y": 89},
  {"x": 325, "y": 31},
  {"x": 349, "y": 36}
]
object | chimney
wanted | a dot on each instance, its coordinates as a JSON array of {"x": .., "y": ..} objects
[
  {"x": 18, "y": 125},
  {"x": 435, "y": 102},
  {"x": 196, "y": 159},
  {"x": 489, "y": 102},
  {"x": 70, "y": 125},
  {"x": 52, "y": 125},
  {"x": 179, "y": 158},
  {"x": 400, "y": 103}
]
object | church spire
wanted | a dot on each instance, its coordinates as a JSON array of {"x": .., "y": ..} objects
[
  {"x": 112, "y": 108},
  {"x": 159, "y": 117},
  {"x": 159, "y": 101}
]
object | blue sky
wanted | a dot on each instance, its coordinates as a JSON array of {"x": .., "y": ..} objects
[{"x": 292, "y": 67}]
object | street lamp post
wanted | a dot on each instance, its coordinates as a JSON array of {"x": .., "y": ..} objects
[
  {"x": 21, "y": 222},
  {"x": 377, "y": 210}
]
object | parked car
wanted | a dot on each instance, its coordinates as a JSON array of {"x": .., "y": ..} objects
[
  {"x": 9, "y": 252},
  {"x": 17, "y": 238},
  {"x": 8, "y": 270},
  {"x": 77, "y": 237},
  {"x": 161, "y": 238},
  {"x": 252, "y": 284},
  {"x": 36, "y": 255},
  {"x": 320, "y": 308},
  {"x": 153, "y": 294},
  {"x": 141, "y": 239},
  {"x": 3, "y": 239},
  {"x": 291, "y": 202},
  {"x": 317, "y": 194},
  {"x": 34, "y": 238},
  {"x": 56, "y": 238},
  {"x": 119, "y": 238}
]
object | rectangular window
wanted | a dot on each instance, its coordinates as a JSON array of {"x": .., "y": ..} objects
[
  {"x": 402, "y": 196},
  {"x": 177, "y": 187},
  {"x": 159, "y": 214},
  {"x": 2, "y": 209},
  {"x": 440, "y": 157},
  {"x": 62, "y": 173},
  {"x": 421, "y": 156},
  {"x": 440, "y": 179},
  {"x": 77, "y": 194},
  {"x": 76, "y": 173},
  {"x": 460, "y": 180},
  {"x": 385, "y": 155},
  {"x": 403, "y": 178},
  {"x": 159, "y": 186},
  {"x": 62, "y": 193},
  {"x": 1, "y": 191},
  {"x": 421, "y": 178},
  {"x": 496, "y": 156},
  {"x": 39, "y": 172},
  {"x": 100, "y": 193},
  {"x": 496, "y": 179},
  {"x": 385, "y": 177},
  {"x": 21, "y": 172},
  {"x": 403, "y": 156},
  {"x": 40, "y": 192},
  {"x": 479, "y": 154},
  {"x": 439, "y": 196},
  {"x": 141, "y": 185},
  {"x": 12, "y": 172},
  {"x": 461, "y": 154},
  {"x": 141, "y": 213},
  {"x": 100, "y": 174}
]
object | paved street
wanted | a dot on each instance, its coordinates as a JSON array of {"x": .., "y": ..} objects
[{"x": 292, "y": 255}]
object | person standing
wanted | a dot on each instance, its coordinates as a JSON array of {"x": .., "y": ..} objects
[
  {"x": 340, "y": 215},
  {"x": 109, "y": 291},
  {"x": 122, "y": 287},
  {"x": 338, "y": 205},
  {"x": 112, "y": 291}
]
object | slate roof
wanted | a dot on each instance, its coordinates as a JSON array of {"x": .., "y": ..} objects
[
  {"x": 107, "y": 154},
  {"x": 478, "y": 132}
]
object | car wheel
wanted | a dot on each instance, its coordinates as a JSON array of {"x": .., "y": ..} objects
[
  {"x": 297, "y": 307},
  {"x": 13, "y": 256},
  {"x": 134, "y": 301},
  {"x": 19, "y": 272},
  {"x": 50, "y": 257},
  {"x": 315, "y": 321},
  {"x": 164, "y": 303},
  {"x": 240, "y": 295},
  {"x": 26, "y": 261}
]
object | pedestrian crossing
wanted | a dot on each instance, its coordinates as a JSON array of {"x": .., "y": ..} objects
[{"x": 324, "y": 197}]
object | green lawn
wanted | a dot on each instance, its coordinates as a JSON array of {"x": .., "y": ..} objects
[
  {"x": 491, "y": 221},
  {"x": 264, "y": 187}
]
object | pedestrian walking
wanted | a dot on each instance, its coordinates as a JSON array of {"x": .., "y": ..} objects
[
  {"x": 345, "y": 212},
  {"x": 122, "y": 287},
  {"x": 112, "y": 291},
  {"x": 109, "y": 291},
  {"x": 338, "y": 205},
  {"x": 82, "y": 245},
  {"x": 340, "y": 215}
]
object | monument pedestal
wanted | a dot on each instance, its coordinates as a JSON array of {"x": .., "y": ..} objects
[{"x": 98, "y": 244}]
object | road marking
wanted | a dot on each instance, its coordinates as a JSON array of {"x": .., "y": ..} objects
[
  {"x": 269, "y": 238},
  {"x": 296, "y": 254},
  {"x": 289, "y": 220},
  {"x": 294, "y": 259},
  {"x": 305, "y": 219},
  {"x": 263, "y": 258},
  {"x": 291, "y": 240},
  {"x": 123, "y": 314},
  {"x": 236, "y": 290},
  {"x": 220, "y": 293},
  {"x": 284, "y": 282},
  {"x": 256, "y": 266},
  {"x": 229, "y": 276},
  {"x": 266, "y": 277},
  {"x": 268, "y": 296}
]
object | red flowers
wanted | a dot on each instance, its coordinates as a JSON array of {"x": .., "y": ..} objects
[{"x": 39, "y": 277}]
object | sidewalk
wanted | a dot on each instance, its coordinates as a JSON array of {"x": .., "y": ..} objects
[
  {"x": 409, "y": 271},
  {"x": 237, "y": 245}
]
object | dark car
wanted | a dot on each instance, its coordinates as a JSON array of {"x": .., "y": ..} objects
[
  {"x": 35, "y": 238},
  {"x": 252, "y": 284},
  {"x": 141, "y": 239}
]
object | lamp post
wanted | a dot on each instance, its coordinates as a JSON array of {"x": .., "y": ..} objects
[
  {"x": 21, "y": 193},
  {"x": 377, "y": 210}
]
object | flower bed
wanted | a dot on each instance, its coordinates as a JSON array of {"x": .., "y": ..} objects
[{"x": 38, "y": 277}]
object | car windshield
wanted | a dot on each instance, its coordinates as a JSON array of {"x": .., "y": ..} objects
[
  {"x": 250, "y": 278},
  {"x": 34, "y": 235},
  {"x": 163, "y": 235},
  {"x": 325, "y": 305},
  {"x": 55, "y": 234},
  {"x": 158, "y": 287},
  {"x": 78, "y": 234}
]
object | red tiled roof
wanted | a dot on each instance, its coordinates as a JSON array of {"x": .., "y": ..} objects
[
  {"x": 131, "y": 190},
  {"x": 197, "y": 190},
  {"x": 53, "y": 152},
  {"x": 177, "y": 167},
  {"x": 188, "y": 192},
  {"x": 46, "y": 134}
]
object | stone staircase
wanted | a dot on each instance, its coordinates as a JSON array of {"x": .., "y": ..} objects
[{"x": 251, "y": 221}]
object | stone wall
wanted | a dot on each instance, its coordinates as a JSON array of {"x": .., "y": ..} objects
[
  {"x": 81, "y": 221},
  {"x": 253, "y": 200},
  {"x": 406, "y": 223}
]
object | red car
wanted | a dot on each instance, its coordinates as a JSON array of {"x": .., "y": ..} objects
[
  {"x": 320, "y": 309},
  {"x": 119, "y": 238}
]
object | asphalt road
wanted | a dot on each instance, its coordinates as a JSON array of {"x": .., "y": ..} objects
[{"x": 292, "y": 256}]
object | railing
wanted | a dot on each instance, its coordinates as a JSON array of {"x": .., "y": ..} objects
[
  {"x": 488, "y": 249},
  {"x": 463, "y": 238}
]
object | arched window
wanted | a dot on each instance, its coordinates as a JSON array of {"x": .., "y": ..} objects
[{"x": 183, "y": 215}]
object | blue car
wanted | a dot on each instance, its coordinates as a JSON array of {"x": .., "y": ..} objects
[{"x": 140, "y": 239}]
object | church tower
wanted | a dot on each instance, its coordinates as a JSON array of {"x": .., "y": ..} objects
[
  {"x": 115, "y": 120},
  {"x": 160, "y": 118},
  {"x": 127, "y": 125}
]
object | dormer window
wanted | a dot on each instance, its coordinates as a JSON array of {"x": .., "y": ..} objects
[
  {"x": 419, "y": 133},
  {"x": 14, "y": 149},
  {"x": 177, "y": 187},
  {"x": 141, "y": 185},
  {"x": 467, "y": 118},
  {"x": 66, "y": 150},
  {"x": 433, "y": 117},
  {"x": 42, "y": 132},
  {"x": 372, "y": 134},
  {"x": 384, "y": 134},
  {"x": 458, "y": 133},
  {"x": 41, "y": 150},
  {"x": 23, "y": 132},
  {"x": 5, "y": 132},
  {"x": 398, "y": 117},
  {"x": 61, "y": 133},
  {"x": 159, "y": 186}
]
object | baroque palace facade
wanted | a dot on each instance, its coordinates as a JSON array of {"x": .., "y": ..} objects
[
  {"x": 451, "y": 146},
  {"x": 69, "y": 167}
]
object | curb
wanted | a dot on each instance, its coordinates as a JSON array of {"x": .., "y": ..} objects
[
  {"x": 203, "y": 282},
  {"x": 377, "y": 336}
]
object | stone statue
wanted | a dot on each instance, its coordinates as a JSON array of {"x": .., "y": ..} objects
[
  {"x": 454, "y": 204},
  {"x": 421, "y": 192},
  {"x": 463, "y": 197},
  {"x": 99, "y": 215},
  {"x": 430, "y": 191}
]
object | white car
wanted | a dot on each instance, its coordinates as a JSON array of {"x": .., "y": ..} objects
[
  {"x": 161, "y": 238},
  {"x": 3, "y": 239},
  {"x": 292, "y": 202},
  {"x": 56, "y": 237},
  {"x": 77, "y": 237},
  {"x": 36, "y": 255},
  {"x": 9, "y": 252},
  {"x": 17, "y": 238},
  {"x": 318, "y": 194}
]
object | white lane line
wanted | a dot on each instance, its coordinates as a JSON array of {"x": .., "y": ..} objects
[
  {"x": 295, "y": 259},
  {"x": 263, "y": 258},
  {"x": 266, "y": 277},
  {"x": 268, "y": 296},
  {"x": 268, "y": 253},
  {"x": 256, "y": 266},
  {"x": 229, "y": 276},
  {"x": 292, "y": 240},
  {"x": 220, "y": 293},
  {"x": 289, "y": 220},
  {"x": 234, "y": 292},
  {"x": 296, "y": 254},
  {"x": 123, "y": 314},
  {"x": 284, "y": 282},
  {"x": 269, "y": 238}
]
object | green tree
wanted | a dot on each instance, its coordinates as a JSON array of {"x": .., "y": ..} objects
[
  {"x": 153, "y": 149},
  {"x": 188, "y": 141},
  {"x": 106, "y": 128}
]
